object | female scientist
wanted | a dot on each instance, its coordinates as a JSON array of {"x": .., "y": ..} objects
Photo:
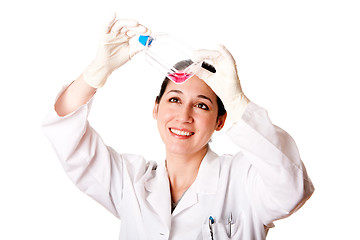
[{"x": 194, "y": 193}]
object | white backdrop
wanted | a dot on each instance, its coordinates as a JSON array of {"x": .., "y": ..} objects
[{"x": 298, "y": 59}]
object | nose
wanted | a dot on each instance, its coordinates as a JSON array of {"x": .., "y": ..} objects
[{"x": 185, "y": 114}]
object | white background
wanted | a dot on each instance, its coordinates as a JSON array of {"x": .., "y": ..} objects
[{"x": 298, "y": 59}]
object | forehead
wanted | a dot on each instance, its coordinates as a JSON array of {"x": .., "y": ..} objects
[{"x": 192, "y": 87}]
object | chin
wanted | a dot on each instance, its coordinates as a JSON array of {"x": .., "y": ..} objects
[{"x": 185, "y": 150}]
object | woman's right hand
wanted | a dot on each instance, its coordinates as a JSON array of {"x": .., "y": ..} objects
[{"x": 114, "y": 50}]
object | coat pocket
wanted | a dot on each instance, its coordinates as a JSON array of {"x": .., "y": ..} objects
[{"x": 221, "y": 229}]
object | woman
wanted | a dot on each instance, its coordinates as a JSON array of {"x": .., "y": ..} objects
[{"x": 194, "y": 193}]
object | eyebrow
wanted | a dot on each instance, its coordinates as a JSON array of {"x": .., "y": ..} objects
[
  {"x": 199, "y": 96},
  {"x": 205, "y": 97}
]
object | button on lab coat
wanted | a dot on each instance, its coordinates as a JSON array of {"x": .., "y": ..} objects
[{"x": 263, "y": 182}]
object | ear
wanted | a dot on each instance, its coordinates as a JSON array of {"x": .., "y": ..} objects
[
  {"x": 221, "y": 122},
  {"x": 155, "y": 110}
]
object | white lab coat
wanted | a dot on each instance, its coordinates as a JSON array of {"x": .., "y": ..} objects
[{"x": 264, "y": 182}]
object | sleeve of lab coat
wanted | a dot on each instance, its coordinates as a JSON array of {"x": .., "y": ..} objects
[
  {"x": 277, "y": 182},
  {"x": 95, "y": 168}
]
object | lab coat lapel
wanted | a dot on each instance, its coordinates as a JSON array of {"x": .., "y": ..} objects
[
  {"x": 206, "y": 182},
  {"x": 159, "y": 194},
  {"x": 189, "y": 199}
]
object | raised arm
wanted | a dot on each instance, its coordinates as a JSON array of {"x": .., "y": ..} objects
[
  {"x": 114, "y": 50},
  {"x": 277, "y": 181},
  {"x": 94, "y": 167},
  {"x": 77, "y": 94}
]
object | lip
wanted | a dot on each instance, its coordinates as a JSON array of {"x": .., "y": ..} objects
[{"x": 182, "y": 130}]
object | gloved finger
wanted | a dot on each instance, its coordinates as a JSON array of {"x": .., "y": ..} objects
[
  {"x": 110, "y": 23},
  {"x": 131, "y": 33},
  {"x": 123, "y": 29},
  {"x": 123, "y": 23},
  {"x": 136, "y": 30},
  {"x": 134, "y": 45},
  {"x": 204, "y": 54},
  {"x": 147, "y": 33},
  {"x": 205, "y": 75},
  {"x": 202, "y": 73},
  {"x": 226, "y": 53},
  {"x": 140, "y": 29}
]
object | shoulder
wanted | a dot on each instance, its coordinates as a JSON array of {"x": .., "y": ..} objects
[
  {"x": 135, "y": 165},
  {"x": 138, "y": 161},
  {"x": 234, "y": 160},
  {"x": 235, "y": 166}
]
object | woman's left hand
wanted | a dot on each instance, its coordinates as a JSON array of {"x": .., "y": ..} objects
[{"x": 225, "y": 81}]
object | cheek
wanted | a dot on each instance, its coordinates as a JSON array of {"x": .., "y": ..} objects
[
  {"x": 208, "y": 123},
  {"x": 163, "y": 115}
]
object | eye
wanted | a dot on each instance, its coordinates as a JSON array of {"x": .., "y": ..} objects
[
  {"x": 202, "y": 106},
  {"x": 174, "y": 100}
]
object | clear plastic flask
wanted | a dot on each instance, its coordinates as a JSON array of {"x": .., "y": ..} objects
[{"x": 170, "y": 55}]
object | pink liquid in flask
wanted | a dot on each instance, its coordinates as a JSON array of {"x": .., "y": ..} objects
[{"x": 179, "y": 77}]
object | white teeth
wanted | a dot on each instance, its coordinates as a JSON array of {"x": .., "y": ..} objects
[{"x": 181, "y": 133}]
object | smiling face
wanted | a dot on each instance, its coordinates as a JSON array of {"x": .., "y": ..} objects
[{"x": 187, "y": 116}]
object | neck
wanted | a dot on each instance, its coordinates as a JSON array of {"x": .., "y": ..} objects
[{"x": 183, "y": 169}]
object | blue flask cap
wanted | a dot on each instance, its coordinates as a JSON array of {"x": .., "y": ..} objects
[{"x": 145, "y": 40}]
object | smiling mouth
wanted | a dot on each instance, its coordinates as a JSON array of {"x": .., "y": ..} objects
[{"x": 181, "y": 133}]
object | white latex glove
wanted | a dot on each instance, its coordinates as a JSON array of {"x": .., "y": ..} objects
[
  {"x": 114, "y": 50},
  {"x": 224, "y": 82}
]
